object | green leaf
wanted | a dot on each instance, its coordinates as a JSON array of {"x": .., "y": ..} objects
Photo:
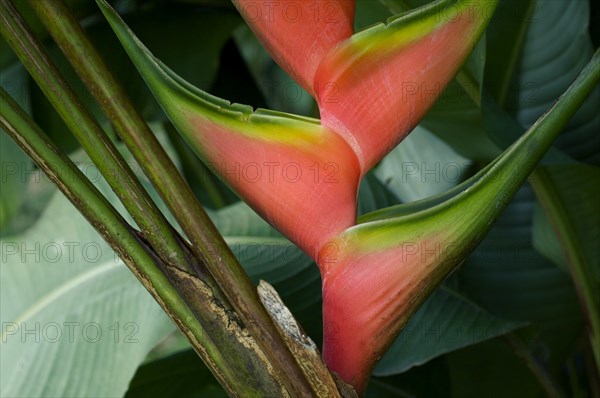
[
  {"x": 545, "y": 240},
  {"x": 578, "y": 230},
  {"x": 373, "y": 195},
  {"x": 13, "y": 165},
  {"x": 369, "y": 13},
  {"x": 505, "y": 37},
  {"x": 457, "y": 121},
  {"x": 509, "y": 278},
  {"x": 429, "y": 380},
  {"x": 503, "y": 130},
  {"x": 556, "y": 48},
  {"x": 447, "y": 321},
  {"x": 491, "y": 370},
  {"x": 421, "y": 166},
  {"x": 76, "y": 286},
  {"x": 66, "y": 298},
  {"x": 179, "y": 375},
  {"x": 578, "y": 184}
]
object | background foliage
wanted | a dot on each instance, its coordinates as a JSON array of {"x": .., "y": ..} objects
[{"x": 507, "y": 317}]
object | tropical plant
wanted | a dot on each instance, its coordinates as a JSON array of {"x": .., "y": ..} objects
[{"x": 156, "y": 163}]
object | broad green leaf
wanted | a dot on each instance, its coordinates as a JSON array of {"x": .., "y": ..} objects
[
  {"x": 505, "y": 38},
  {"x": 76, "y": 288},
  {"x": 570, "y": 194},
  {"x": 421, "y": 166},
  {"x": 429, "y": 380},
  {"x": 490, "y": 369},
  {"x": 179, "y": 375},
  {"x": 369, "y": 13},
  {"x": 447, "y": 321},
  {"x": 528, "y": 75},
  {"x": 556, "y": 47},
  {"x": 544, "y": 238},
  {"x": 65, "y": 299},
  {"x": 509, "y": 278},
  {"x": 503, "y": 130},
  {"x": 573, "y": 184},
  {"x": 457, "y": 120},
  {"x": 14, "y": 165}
]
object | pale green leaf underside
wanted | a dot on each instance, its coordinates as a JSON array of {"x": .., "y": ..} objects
[{"x": 74, "y": 319}]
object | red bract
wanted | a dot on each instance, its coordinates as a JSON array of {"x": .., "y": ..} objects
[
  {"x": 298, "y": 34},
  {"x": 375, "y": 87},
  {"x": 375, "y": 275},
  {"x": 277, "y": 164}
]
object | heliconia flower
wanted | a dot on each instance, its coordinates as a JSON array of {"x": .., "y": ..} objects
[
  {"x": 375, "y": 87},
  {"x": 302, "y": 175},
  {"x": 297, "y": 34}
]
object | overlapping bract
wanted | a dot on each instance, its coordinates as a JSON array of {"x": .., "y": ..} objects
[
  {"x": 376, "y": 86},
  {"x": 304, "y": 182},
  {"x": 302, "y": 176}
]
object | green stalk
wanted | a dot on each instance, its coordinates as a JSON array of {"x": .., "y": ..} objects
[
  {"x": 206, "y": 242},
  {"x": 109, "y": 224},
  {"x": 94, "y": 141}
]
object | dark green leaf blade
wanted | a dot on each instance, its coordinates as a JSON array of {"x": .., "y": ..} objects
[{"x": 447, "y": 321}]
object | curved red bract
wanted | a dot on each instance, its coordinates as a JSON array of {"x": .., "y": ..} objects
[
  {"x": 376, "y": 99},
  {"x": 366, "y": 297},
  {"x": 308, "y": 192},
  {"x": 298, "y": 34}
]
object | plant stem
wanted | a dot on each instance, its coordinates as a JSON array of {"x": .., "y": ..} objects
[
  {"x": 107, "y": 221},
  {"x": 94, "y": 141},
  {"x": 206, "y": 242}
]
